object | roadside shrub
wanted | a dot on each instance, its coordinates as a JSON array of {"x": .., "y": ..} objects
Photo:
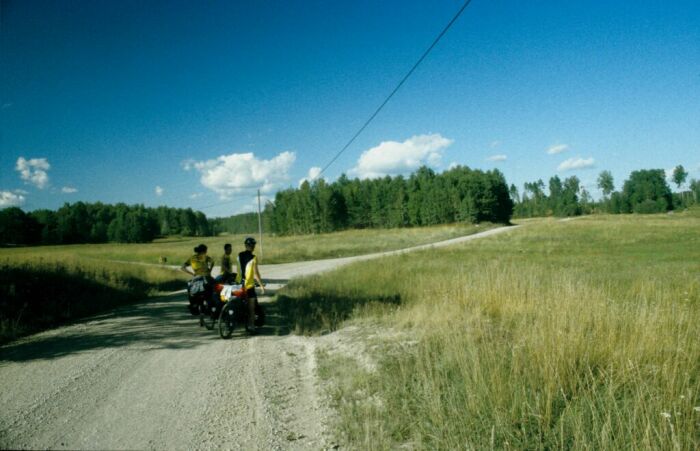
[
  {"x": 649, "y": 206},
  {"x": 37, "y": 295}
]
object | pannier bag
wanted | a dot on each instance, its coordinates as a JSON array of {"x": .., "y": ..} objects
[{"x": 197, "y": 285}]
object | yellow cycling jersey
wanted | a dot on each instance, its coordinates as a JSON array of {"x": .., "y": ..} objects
[
  {"x": 246, "y": 269},
  {"x": 201, "y": 264},
  {"x": 226, "y": 264}
]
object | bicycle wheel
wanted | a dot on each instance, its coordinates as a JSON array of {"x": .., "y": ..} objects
[
  {"x": 209, "y": 315},
  {"x": 259, "y": 315},
  {"x": 227, "y": 321}
]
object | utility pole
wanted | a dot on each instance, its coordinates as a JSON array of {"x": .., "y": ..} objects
[{"x": 260, "y": 227}]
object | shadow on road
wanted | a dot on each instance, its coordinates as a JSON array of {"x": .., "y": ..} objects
[{"x": 162, "y": 323}]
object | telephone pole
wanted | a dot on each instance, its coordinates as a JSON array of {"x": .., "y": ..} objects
[{"x": 260, "y": 227}]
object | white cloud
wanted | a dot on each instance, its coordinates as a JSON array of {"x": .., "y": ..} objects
[
  {"x": 159, "y": 191},
  {"x": 10, "y": 199},
  {"x": 33, "y": 171},
  {"x": 393, "y": 158},
  {"x": 188, "y": 164},
  {"x": 497, "y": 158},
  {"x": 314, "y": 172},
  {"x": 231, "y": 174},
  {"x": 495, "y": 144},
  {"x": 576, "y": 163},
  {"x": 69, "y": 190},
  {"x": 557, "y": 148},
  {"x": 195, "y": 195}
]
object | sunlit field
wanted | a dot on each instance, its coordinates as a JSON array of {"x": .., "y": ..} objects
[
  {"x": 274, "y": 249},
  {"x": 580, "y": 334},
  {"x": 48, "y": 285}
]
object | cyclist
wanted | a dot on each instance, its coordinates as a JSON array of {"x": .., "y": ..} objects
[
  {"x": 227, "y": 275},
  {"x": 200, "y": 263},
  {"x": 248, "y": 274},
  {"x": 199, "y": 288}
]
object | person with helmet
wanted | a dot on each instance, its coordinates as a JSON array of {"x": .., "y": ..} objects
[{"x": 248, "y": 274}]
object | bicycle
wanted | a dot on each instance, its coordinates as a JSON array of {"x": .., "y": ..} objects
[{"x": 235, "y": 311}]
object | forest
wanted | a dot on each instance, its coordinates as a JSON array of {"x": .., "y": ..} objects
[
  {"x": 425, "y": 198},
  {"x": 98, "y": 223},
  {"x": 645, "y": 191},
  {"x": 459, "y": 194}
]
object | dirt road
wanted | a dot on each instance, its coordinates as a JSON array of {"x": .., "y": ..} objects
[{"x": 147, "y": 377}]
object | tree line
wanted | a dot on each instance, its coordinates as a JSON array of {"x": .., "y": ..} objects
[
  {"x": 241, "y": 223},
  {"x": 99, "y": 223},
  {"x": 424, "y": 198},
  {"x": 645, "y": 191}
]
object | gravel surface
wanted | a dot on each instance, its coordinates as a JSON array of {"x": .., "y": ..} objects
[{"x": 147, "y": 376}]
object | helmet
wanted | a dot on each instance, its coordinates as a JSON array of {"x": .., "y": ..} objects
[{"x": 250, "y": 241}]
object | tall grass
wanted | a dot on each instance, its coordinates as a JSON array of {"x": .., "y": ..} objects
[
  {"x": 36, "y": 294},
  {"x": 275, "y": 249},
  {"x": 559, "y": 335}
]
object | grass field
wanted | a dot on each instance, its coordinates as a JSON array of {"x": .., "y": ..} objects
[
  {"x": 90, "y": 278},
  {"x": 275, "y": 249},
  {"x": 39, "y": 293},
  {"x": 559, "y": 335}
]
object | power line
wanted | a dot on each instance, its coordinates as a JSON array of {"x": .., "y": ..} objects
[
  {"x": 403, "y": 80},
  {"x": 376, "y": 112}
]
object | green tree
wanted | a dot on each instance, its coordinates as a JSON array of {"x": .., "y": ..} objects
[
  {"x": 513, "y": 191},
  {"x": 188, "y": 222},
  {"x": 556, "y": 201},
  {"x": 695, "y": 189},
  {"x": 679, "y": 177},
  {"x": 570, "y": 203},
  {"x": 48, "y": 224},
  {"x": 17, "y": 227},
  {"x": 607, "y": 186},
  {"x": 606, "y": 183},
  {"x": 646, "y": 191}
]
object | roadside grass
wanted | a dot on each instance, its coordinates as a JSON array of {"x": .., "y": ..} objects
[
  {"x": 38, "y": 294},
  {"x": 275, "y": 249},
  {"x": 45, "y": 286},
  {"x": 580, "y": 334}
]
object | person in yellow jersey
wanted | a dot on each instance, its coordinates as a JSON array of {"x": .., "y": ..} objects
[
  {"x": 199, "y": 288},
  {"x": 199, "y": 264},
  {"x": 227, "y": 275},
  {"x": 248, "y": 274}
]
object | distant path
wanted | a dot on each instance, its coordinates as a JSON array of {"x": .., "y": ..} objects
[
  {"x": 147, "y": 377},
  {"x": 285, "y": 271}
]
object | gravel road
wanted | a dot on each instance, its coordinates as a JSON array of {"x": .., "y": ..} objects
[{"x": 147, "y": 377}]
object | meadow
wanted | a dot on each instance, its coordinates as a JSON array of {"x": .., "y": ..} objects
[
  {"x": 578, "y": 334},
  {"x": 45, "y": 286},
  {"x": 275, "y": 249},
  {"x": 36, "y": 294}
]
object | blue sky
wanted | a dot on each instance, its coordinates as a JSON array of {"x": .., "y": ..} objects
[{"x": 197, "y": 104}]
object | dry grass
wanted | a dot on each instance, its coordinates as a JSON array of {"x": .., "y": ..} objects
[
  {"x": 561, "y": 335},
  {"x": 40, "y": 293},
  {"x": 275, "y": 249}
]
